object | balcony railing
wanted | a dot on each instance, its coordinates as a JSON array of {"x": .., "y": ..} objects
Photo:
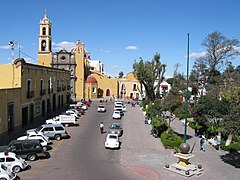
[
  {"x": 30, "y": 94},
  {"x": 42, "y": 92},
  {"x": 135, "y": 89}
]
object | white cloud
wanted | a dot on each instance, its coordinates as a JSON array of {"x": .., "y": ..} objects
[
  {"x": 104, "y": 50},
  {"x": 197, "y": 55},
  {"x": 64, "y": 45},
  {"x": 132, "y": 48},
  {"x": 5, "y": 47},
  {"x": 117, "y": 67}
]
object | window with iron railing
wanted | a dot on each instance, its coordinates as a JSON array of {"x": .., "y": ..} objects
[
  {"x": 42, "y": 92},
  {"x": 30, "y": 94}
]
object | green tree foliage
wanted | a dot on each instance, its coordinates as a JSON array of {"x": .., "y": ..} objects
[
  {"x": 148, "y": 73},
  {"x": 218, "y": 50},
  {"x": 210, "y": 110},
  {"x": 231, "y": 119},
  {"x": 171, "y": 103}
]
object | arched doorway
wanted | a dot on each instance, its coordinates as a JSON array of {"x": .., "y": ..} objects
[{"x": 108, "y": 92}]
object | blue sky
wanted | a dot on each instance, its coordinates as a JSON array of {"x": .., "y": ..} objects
[{"x": 118, "y": 32}]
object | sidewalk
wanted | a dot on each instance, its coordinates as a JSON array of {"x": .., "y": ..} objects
[{"x": 142, "y": 153}]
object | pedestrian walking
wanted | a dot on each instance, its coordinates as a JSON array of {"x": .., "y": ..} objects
[
  {"x": 202, "y": 144},
  {"x": 218, "y": 142},
  {"x": 149, "y": 121},
  {"x": 101, "y": 127}
]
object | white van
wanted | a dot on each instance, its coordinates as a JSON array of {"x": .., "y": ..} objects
[{"x": 62, "y": 119}]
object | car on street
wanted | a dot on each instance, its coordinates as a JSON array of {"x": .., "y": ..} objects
[
  {"x": 14, "y": 162},
  {"x": 101, "y": 108},
  {"x": 54, "y": 131},
  {"x": 116, "y": 128},
  {"x": 116, "y": 115},
  {"x": 44, "y": 140},
  {"x": 120, "y": 110},
  {"x": 6, "y": 173},
  {"x": 112, "y": 141},
  {"x": 26, "y": 149}
]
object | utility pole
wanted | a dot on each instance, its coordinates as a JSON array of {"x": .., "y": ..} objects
[{"x": 186, "y": 111}]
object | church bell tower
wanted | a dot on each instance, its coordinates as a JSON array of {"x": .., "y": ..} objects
[{"x": 45, "y": 42}]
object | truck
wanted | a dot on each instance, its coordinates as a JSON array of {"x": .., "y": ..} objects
[{"x": 62, "y": 119}]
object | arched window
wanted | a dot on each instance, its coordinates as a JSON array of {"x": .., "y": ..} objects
[
  {"x": 108, "y": 93},
  {"x": 43, "y": 31},
  {"x": 43, "y": 45}
]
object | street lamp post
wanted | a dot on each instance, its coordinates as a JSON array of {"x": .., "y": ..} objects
[
  {"x": 186, "y": 111},
  {"x": 11, "y": 44}
]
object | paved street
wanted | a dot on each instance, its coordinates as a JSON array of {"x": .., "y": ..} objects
[
  {"x": 141, "y": 156},
  {"x": 144, "y": 154}
]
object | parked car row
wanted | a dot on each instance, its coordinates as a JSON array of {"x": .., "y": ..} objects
[
  {"x": 115, "y": 130},
  {"x": 35, "y": 143}
]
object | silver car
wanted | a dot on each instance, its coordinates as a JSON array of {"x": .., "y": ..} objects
[{"x": 53, "y": 131}]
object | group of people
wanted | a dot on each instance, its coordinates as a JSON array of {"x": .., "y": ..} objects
[{"x": 203, "y": 139}]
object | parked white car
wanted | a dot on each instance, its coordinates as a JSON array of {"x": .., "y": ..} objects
[
  {"x": 116, "y": 115},
  {"x": 14, "y": 162},
  {"x": 112, "y": 141},
  {"x": 37, "y": 133},
  {"x": 82, "y": 105},
  {"x": 73, "y": 112},
  {"x": 6, "y": 173}
]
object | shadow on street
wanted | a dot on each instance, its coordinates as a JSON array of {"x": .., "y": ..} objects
[{"x": 232, "y": 158}]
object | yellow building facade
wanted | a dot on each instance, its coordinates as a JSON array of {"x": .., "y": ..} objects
[
  {"x": 30, "y": 93},
  {"x": 129, "y": 87}
]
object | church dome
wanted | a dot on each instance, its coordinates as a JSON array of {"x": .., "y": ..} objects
[{"x": 91, "y": 79}]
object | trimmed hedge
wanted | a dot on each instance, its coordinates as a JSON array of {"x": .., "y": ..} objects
[
  {"x": 171, "y": 140},
  {"x": 234, "y": 146}
]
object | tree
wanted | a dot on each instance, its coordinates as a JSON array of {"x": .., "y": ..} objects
[
  {"x": 120, "y": 75},
  {"x": 148, "y": 73},
  {"x": 210, "y": 110},
  {"x": 231, "y": 118},
  {"x": 218, "y": 50},
  {"x": 160, "y": 71}
]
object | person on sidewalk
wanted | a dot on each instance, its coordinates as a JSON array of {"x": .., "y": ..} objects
[
  {"x": 149, "y": 121},
  {"x": 218, "y": 142},
  {"x": 202, "y": 144}
]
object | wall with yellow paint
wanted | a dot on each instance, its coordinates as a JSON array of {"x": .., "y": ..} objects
[
  {"x": 9, "y": 96},
  {"x": 105, "y": 83}
]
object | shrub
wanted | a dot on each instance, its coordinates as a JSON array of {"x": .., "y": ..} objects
[
  {"x": 170, "y": 139},
  {"x": 183, "y": 116},
  {"x": 194, "y": 125},
  {"x": 235, "y": 146}
]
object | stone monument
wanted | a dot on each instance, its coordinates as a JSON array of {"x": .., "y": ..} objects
[{"x": 183, "y": 166}]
